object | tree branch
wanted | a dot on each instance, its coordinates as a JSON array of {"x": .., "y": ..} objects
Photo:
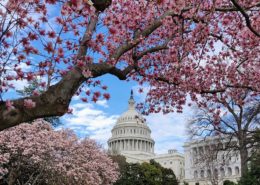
[
  {"x": 140, "y": 35},
  {"x": 152, "y": 50},
  {"x": 55, "y": 101},
  {"x": 245, "y": 15}
]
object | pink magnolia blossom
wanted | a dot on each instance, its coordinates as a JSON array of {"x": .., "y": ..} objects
[
  {"x": 53, "y": 157},
  {"x": 181, "y": 48},
  {"x": 9, "y": 104},
  {"x": 29, "y": 104}
]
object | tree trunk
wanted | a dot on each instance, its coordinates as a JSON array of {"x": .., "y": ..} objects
[
  {"x": 244, "y": 159},
  {"x": 12, "y": 177}
]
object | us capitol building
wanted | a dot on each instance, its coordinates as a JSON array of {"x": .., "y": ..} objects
[{"x": 131, "y": 137}]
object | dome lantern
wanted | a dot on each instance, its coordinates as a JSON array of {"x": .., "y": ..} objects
[{"x": 131, "y": 101}]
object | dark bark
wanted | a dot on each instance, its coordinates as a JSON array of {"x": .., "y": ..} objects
[
  {"x": 13, "y": 175},
  {"x": 243, "y": 155},
  {"x": 53, "y": 102},
  {"x": 101, "y": 5}
]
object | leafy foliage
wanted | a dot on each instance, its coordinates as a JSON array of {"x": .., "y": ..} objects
[
  {"x": 252, "y": 177},
  {"x": 144, "y": 174},
  {"x": 227, "y": 182}
]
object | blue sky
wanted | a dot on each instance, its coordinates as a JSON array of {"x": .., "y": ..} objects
[{"x": 95, "y": 120}]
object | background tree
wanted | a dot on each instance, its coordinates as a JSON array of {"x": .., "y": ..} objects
[
  {"x": 168, "y": 176},
  {"x": 179, "y": 47},
  {"x": 227, "y": 182},
  {"x": 36, "y": 154},
  {"x": 252, "y": 177},
  {"x": 144, "y": 174},
  {"x": 211, "y": 160},
  {"x": 234, "y": 121}
]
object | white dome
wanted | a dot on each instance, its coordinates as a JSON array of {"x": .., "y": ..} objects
[
  {"x": 131, "y": 133},
  {"x": 131, "y": 115}
]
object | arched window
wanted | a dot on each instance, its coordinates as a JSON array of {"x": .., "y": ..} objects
[
  {"x": 208, "y": 173},
  {"x": 229, "y": 172},
  {"x": 237, "y": 170},
  {"x": 202, "y": 173},
  {"x": 195, "y": 174},
  {"x": 222, "y": 172}
]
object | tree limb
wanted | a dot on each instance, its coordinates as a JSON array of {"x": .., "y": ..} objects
[{"x": 245, "y": 15}]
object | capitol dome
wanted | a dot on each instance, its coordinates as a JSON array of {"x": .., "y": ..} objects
[{"x": 131, "y": 135}]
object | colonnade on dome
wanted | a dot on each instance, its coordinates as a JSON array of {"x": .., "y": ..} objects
[{"x": 131, "y": 145}]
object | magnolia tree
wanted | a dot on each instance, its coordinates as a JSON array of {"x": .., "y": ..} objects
[
  {"x": 36, "y": 154},
  {"x": 178, "y": 47}
]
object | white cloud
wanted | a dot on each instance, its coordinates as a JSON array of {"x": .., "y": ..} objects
[
  {"x": 102, "y": 103},
  {"x": 168, "y": 130},
  {"x": 89, "y": 121},
  {"x": 19, "y": 84}
]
